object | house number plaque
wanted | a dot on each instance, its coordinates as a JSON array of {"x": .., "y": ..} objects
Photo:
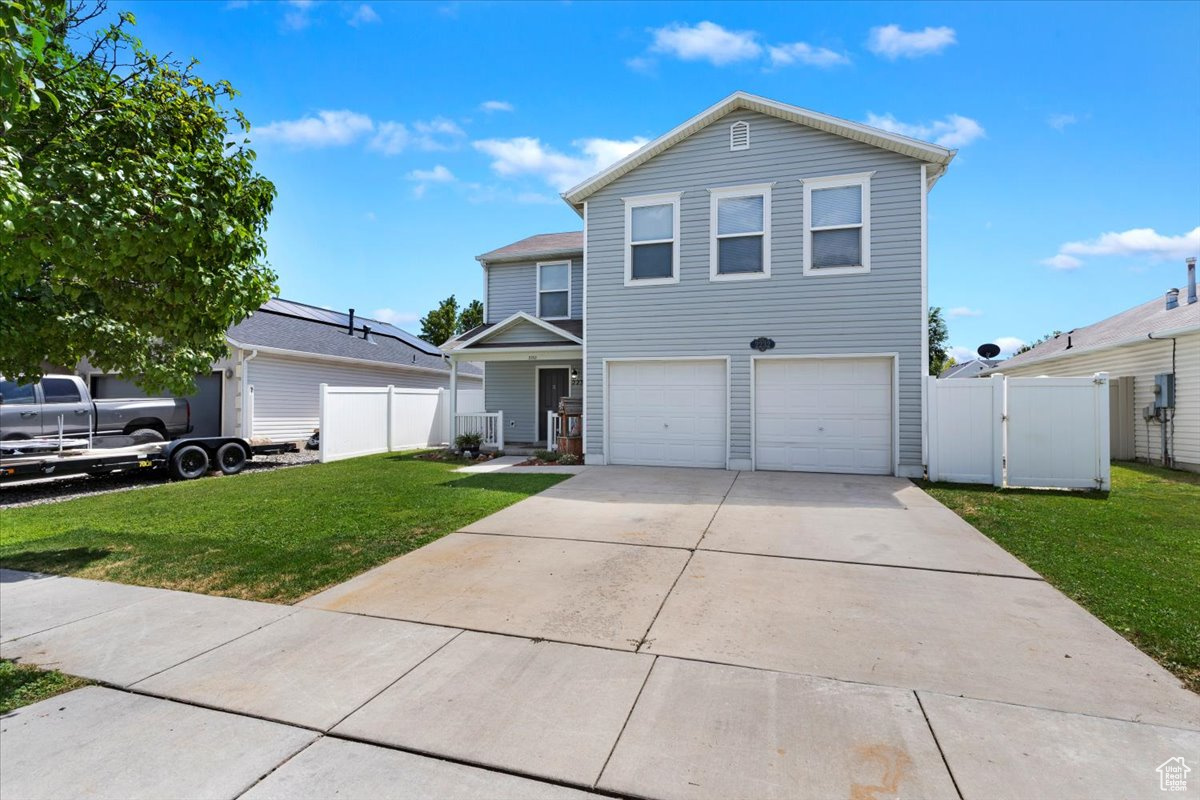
[{"x": 762, "y": 344}]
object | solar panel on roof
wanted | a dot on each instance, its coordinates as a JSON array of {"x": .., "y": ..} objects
[{"x": 303, "y": 311}]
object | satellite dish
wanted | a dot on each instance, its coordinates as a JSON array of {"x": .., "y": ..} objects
[{"x": 988, "y": 350}]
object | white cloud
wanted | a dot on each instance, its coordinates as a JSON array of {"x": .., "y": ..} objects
[
  {"x": 363, "y": 15},
  {"x": 953, "y": 131},
  {"x": 706, "y": 41},
  {"x": 496, "y": 105},
  {"x": 438, "y": 174},
  {"x": 962, "y": 354},
  {"x": 1060, "y": 121},
  {"x": 642, "y": 64},
  {"x": 1062, "y": 262},
  {"x": 436, "y": 134},
  {"x": 1008, "y": 344},
  {"x": 802, "y": 52},
  {"x": 890, "y": 41},
  {"x": 296, "y": 18},
  {"x": 326, "y": 129},
  {"x": 963, "y": 311},
  {"x": 1138, "y": 242},
  {"x": 526, "y": 155},
  {"x": 394, "y": 317}
]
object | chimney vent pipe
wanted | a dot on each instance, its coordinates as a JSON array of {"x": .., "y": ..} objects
[
  {"x": 351, "y": 331},
  {"x": 1172, "y": 299},
  {"x": 1191, "y": 265}
]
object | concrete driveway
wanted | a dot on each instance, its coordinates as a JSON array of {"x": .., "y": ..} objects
[{"x": 657, "y": 633}]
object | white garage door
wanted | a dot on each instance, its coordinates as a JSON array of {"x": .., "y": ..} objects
[
  {"x": 823, "y": 415},
  {"x": 667, "y": 413}
]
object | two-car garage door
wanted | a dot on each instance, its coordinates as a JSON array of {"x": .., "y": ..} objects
[
  {"x": 810, "y": 414},
  {"x": 823, "y": 415}
]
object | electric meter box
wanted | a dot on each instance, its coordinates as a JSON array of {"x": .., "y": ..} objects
[{"x": 1164, "y": 390}]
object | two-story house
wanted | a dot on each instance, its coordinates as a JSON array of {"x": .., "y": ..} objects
[{"x": 748, "y": 292}]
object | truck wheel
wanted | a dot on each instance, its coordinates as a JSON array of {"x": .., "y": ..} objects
[
  {"x": 146, "y": 436},
  {"x": 231, "y": 458},
  {"x": 188, "y": 462}
]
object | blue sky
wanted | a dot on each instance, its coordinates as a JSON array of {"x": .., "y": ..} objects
[{"x": 407, "y": 138}]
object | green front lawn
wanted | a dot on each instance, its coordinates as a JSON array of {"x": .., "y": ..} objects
[
  {"x": 23, "y": 685},
  {"x": 1132, "y": 557},
  {"x": 278, "y": 535}
]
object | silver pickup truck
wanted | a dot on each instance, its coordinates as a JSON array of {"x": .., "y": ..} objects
[{"x": 32, "y": 410}]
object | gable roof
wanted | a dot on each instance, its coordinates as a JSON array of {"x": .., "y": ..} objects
[
  {"x": 1131, "y": 325},
  {"x": 559, "y": 333},
  {"x": 972, "y": 367},
  {"x": 914, "y": 148},
  {"x": 268, "y": 328},
  {"x": 542, "y": 245}
]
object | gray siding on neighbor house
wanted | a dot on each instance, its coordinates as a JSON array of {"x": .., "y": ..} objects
[
  {"x": 511, "y": 386},
  {"x": 513, "y": 287},
  {"x": 876, "y": 312}
]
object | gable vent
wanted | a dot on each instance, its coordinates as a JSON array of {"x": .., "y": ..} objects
[{"x": 739, "y": 135}]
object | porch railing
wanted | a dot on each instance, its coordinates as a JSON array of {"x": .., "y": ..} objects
[
  {"x": 489, "y": 426},
  {"x": 553, "y": 430}
]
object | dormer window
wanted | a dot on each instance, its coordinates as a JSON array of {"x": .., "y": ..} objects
[
  {"x": 739, "y": 135},
  {"x": 554, "y": 289}
]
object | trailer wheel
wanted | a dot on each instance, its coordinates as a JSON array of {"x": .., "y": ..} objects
[
  {"x": 188, "y": 462},
  {"x": 146, "y": 436},
  {"x": 231, "y": 458}
]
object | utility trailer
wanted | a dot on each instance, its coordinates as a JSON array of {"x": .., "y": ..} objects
[{"x": 184, "y": 459}]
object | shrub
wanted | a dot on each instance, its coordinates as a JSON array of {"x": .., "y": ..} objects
[
  {"x": 468, "y": 441},
  {"x": 546, "y": 455},
  {"x": 568, "y": 459}
]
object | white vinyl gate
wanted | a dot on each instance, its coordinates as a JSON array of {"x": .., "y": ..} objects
[{"x": 1036, "y": 432}]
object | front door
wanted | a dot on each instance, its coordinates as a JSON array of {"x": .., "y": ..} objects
[{"x": 553, "y": 385}]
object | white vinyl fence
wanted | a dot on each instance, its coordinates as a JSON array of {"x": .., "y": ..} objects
[
  {"x": 1037, "y": 432},
  {"x": 361, "y": 420}
]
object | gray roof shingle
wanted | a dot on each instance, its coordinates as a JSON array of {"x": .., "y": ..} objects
[
  {"x": 267, "y": 328},
  {"x": 539, "y": 246},
  {"x": 1135, "y": 323}
]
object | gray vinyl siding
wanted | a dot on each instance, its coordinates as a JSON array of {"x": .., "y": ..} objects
[
  {"x": 510, "y": 386},
  {"x": 513, "y": 287},
  {"x": 522, "y": 332},
  {"x": 877, "y": 312}
]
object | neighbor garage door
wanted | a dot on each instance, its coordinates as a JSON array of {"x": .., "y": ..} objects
[
  {"x": 667, "y": 413},
  {"x": 205, "y": 403},
  {"x": 823, "y": 415}
]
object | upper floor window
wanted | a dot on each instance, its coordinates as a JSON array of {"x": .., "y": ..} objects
[
  {"x": 740, "y": 232},
  {"x": 652, "y": 239},
  {"x": 837, "y": 224},
  {"x": 554, "y": 289}
]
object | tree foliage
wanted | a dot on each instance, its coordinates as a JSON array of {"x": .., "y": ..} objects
[
  {"x": 132, "y": 217},
  {"x": 1027, "y": 347},
  {"x": 448, "y": 320},
  {"x": 939, "y": 337}
]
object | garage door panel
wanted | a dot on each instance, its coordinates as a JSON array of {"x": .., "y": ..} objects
[
  {"x": 824, "y": 414},
  {"x": 667, "y": 413}
]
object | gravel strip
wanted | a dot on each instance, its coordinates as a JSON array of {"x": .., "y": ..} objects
[{"x": 55, "y": 490}]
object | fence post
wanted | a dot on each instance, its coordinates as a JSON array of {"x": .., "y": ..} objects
[
  {"x": 1103, "y": 429},
  {"x": 321, "y": 426},
  {"x": 391, "y": 394},
  {"x": 999, "y": 423},
  {"x": 931, "y": 428}
]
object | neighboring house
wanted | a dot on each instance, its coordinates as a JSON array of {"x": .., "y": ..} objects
[
  {"x": 969, "y": 369},
  {"x": 282, "y": 353},
  {"x": 1156, "y": 337},
  {"x": 749, "y": 291}
]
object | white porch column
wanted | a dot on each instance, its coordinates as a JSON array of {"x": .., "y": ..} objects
[{"x": 453, "y": 399}]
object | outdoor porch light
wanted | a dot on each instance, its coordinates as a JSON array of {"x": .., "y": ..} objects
[{"x": 574, "y": 373}]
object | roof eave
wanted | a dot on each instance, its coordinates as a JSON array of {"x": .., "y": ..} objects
[
  {"x": 556, "y": 253},
  {"x": 1147, "y": 337},
  {"x": 914, "y": 148}
]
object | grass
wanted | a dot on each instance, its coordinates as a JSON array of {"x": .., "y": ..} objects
[
  {"x": 23, "y": 685},
  {"x": 1131, "y": 556},
  {"x": 276, "y": 536}
]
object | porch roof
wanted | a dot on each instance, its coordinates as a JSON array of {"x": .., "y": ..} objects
[{"x": 564, "y": 333}]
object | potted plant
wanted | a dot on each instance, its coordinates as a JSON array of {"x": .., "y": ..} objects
[{"x": 468, "y": 444}]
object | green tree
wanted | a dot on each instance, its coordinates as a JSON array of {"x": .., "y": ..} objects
[
  {"x": 471, "y": 316},
  {"x": 132, "y": 217},
  {"x": 441, "y": 324},
  {"x": 1027, "y": 347},
  {"x": 939, "y": 335}
]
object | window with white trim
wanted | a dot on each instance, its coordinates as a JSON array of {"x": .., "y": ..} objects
[
  {"x": 554, "y": 290},
  {"x": 740, "y": 232},
  {"x": 837, "y": 224},
  {"x": 652, "y": 239}
]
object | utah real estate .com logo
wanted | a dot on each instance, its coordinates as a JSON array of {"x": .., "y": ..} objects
[{"x": 1172, "y": 775}]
